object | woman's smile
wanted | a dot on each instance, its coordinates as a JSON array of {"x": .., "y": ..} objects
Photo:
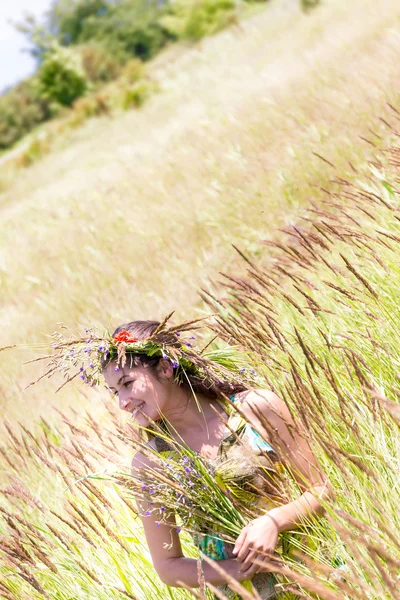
[{"x": 137, "y": 409}]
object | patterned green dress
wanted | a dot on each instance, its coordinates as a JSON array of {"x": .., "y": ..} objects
[{"x": 249, "y": 469}]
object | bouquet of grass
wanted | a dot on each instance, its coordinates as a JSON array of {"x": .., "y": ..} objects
[
  {"x": 184, "y": 482},
  {"x": 207, "y": 498}
]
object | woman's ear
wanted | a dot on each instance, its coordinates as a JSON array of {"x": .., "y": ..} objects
[{"x": 165, "y": 369}]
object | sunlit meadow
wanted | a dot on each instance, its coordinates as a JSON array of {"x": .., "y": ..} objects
[{"x": 133, "y": 216}]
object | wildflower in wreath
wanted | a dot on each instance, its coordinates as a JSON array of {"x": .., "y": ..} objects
[{"x": 124, "y": 336}]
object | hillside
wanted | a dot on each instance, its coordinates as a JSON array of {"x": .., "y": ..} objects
[{"x": 133, "y": 215}]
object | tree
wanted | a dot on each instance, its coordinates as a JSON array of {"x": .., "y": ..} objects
[
  {"x": 67, "y": 18},
  {"x": 125, "y": 28},
  {"x": 128, "y": 28}
]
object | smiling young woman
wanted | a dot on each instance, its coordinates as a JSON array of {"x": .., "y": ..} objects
[
  {"x": 201, "y": 401},
  {"x": 192, "y": 410}
]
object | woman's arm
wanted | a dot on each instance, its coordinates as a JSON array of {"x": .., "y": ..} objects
[
  {"x": 290, "y": 515},
  {"x": 185, "y": 571},
  {"x": 273, "y": 421},
  {"x": 271, "y": 418}
]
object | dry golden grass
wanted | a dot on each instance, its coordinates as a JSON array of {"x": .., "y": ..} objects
[{"x": 135, "y": 214}]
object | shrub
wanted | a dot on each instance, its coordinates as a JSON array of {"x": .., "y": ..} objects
[
  {"x": 194, "y": 19},
  {"x": 307, "y": 5},
  {"x": 35, "y": 149},
  {"x": 133, "y": 70},
  {"x": 84, "y": 108},
  {"x": 61, "y": 76},
  {"x": 137, "y": 95},
  {"x": 21, "y": 109},
  {"x": 98, "y": 63}
]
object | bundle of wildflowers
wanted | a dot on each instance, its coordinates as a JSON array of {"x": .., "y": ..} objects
[
  {"x": 85, "y": 356},
  {"x": 201, "y": 492},
  {"x": 183, "y": 482}
]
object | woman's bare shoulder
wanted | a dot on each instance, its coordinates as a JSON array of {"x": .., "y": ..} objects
[{"x": 261, "y": 400}]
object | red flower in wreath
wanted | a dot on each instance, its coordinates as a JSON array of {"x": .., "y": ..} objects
[{"x": 124, "y": 336}]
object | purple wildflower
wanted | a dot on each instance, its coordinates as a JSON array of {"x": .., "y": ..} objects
[
  {"x": 158, "y": 524},
  {"x": 144, "y": 487},
  {"x": 175, "y": 364},
  {"x": 162, "y": 508},
  {"x": 178, "y": 530},
  {"x": 116, "y": 368},
  {"x": 147, "y": 513}
]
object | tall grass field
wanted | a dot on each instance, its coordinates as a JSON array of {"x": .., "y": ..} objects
[{"x": 279, "y": 136}]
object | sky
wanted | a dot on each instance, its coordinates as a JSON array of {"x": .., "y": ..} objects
[{"x": 14, "y": 63}]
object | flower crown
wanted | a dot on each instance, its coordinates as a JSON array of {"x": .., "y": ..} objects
[{"x": 86, "y": 356}]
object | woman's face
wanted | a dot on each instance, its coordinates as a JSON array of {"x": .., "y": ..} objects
[{"x": 139, "y": 392}]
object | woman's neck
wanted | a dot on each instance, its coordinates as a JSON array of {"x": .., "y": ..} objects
[{"x": 189, "y": 416}]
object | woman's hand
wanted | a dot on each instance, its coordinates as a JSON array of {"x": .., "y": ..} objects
[
  {"x": 257, "y": 539},
  {"x": 233, "y": 568}
]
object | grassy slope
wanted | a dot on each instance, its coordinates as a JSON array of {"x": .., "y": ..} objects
[
  {"x": 247, "y": 160},
  {"x": 135, "y": 214}
]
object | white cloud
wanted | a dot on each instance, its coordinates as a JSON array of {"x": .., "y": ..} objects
[{"x": 14, "y": 63}]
